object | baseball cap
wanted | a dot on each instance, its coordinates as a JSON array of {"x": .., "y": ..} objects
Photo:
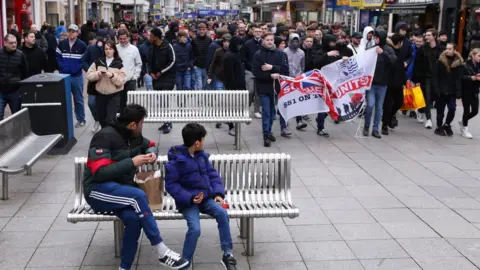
[
  {"x": 227, "y": 37},
  {"x": 293, "y": 36},
  {"x": 357, "y": 35},
  {"x": 73, "y": 27}
]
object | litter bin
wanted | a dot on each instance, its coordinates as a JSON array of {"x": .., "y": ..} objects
[{"x": 48, "y": 97}]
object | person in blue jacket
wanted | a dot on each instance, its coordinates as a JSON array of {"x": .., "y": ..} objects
[
  {"x": 184, "y": 63},
  {"x": 197, "y": 188}
]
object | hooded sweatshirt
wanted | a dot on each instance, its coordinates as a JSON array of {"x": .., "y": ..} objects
[
  {"x": 365, "y": 43},
  {"x": 385, "y": 61},
  {"x": 170, "y": 35},
  {"x": 186, "y": 176},
  {"x": 36, "y": 60},
  {"x": 233, "y": 68},
  {"x": 296, "y": 58}
]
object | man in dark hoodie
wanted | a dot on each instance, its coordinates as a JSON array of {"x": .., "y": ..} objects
[
  {"x": 251, "y": 47},
  {"x": 161, "y": 66},
  {"x": 268, "y": 64},
  {"x": 35, "y": 57},
  {"x": 184, "y": 62},
  {"x": 172, "y": 33},
  {"x": 40, "y": 39},
  {"x": 376, "y": 94},
  {"x": 200, "y": 50},
  {"x": 234, "y": 70},
  {"x": 86, "y": 29},
  {"x": 212, "y": 48},
  {"x": 333, "y": 49}
]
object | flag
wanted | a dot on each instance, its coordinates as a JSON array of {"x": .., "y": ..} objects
[
  {"x": 302, "y": 95},
  {"x": 347, "y": 81}
]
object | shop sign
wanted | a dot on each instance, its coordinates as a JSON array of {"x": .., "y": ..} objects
[
  {"x": 355, "y": 3},
  {"x": 342, "y": 3},
  {"x": 372, "y": 3},
  {"x": 331, "y": 3}
]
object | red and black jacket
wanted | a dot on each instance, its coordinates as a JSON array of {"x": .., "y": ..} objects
[{"x": 110, "y": 156}]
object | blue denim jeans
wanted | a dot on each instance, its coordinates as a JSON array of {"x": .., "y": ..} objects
[
  {"x": 200, "y": 78},
  {"x": 13, "y": 100},
  {"x": 375, "y": 98},
  {"x": 183, "y": 80},
  {"x": 130, "y": 204},
  {"x": 268, "y": 113},
  {"x": 219, "y": 85},
  {"x": 77, "y": 92},
  {"x": 148, "y": 80},
  {"x": 92, "y": 107},
  {"x": 192, "y": 216}
]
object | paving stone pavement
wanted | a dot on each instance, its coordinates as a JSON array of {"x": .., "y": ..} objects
[{"x": 408, "y": 201}]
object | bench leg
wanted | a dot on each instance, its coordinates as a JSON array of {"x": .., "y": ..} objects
[
  {"x": 4, "y": 186},
  {"x": 29, "y": 171},
  {"x": 243, "y": 228},
  {"x": 118, "y": 229},
  {"x": 250, "y": 250},
  {"x": 238, "y": 128}
]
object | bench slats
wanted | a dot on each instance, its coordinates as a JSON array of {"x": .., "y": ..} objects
[{"x": 256, "y": 186}]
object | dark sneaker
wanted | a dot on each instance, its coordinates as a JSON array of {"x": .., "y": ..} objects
[
  {"x": 229, "y": 262},
  {"x": 404, "y": 112},
  {"x": 165, "y": 128},
  {"x": 390, "y": 125},
  {"x": 301, "y": 125},
  {"x": 272, "y": 138},
  {"x": 413, "y": 114},
  {"x": 173, "y": 260},
  {"x": 395, "y": 121},
  {"x": 440, "y": 131},
  {"x": 376, "y": 134},
  {"x": 448, "y": 130},
  {"x": 384, "y": 130},
  {"x": 218, "y": 125},
  {"x": 267, "y": 142},
  {"x": 323, "y": 133},
  {"x": 365, "y": 132},
  {"x": 337, "y": 121}
]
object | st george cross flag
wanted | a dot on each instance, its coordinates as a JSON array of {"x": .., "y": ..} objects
[
  {"x": 302, "y": 95},
  {"x": 347, "y": 82}
]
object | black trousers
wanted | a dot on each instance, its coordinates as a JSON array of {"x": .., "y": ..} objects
[
  {"x": 129, "y": 85},
  {"x": 429, "y": 96},
  {"x": 470, "y": 106},
  {"x": 392, "y": 103},
  {"x": 107, "y": 107},
  {"x": 441, "y": 102}
]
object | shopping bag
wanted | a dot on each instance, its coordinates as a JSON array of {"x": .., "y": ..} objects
[
  {"x": 408, "y": 99},
  {"x": 153, "y": 185},
  {"x": 418, "y": 99},
  {"x": 412, "y": 98}
]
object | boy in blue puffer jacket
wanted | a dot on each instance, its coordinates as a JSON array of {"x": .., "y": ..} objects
[{"x": 197, "y": 188}]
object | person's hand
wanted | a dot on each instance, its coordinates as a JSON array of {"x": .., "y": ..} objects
[
  {"x": 100, "y": 74},
  {"x": 417, "y": 84},
  {"x": 379, "y": 50},
  {"x": 153, "y": 75},
  {"x": 267, "y": 67},
  {"x": 158, "y": 74},
  {"x": 405, "y": 64},
  {"x": 474, "y": 78},
  {"x": 108, "y": 74},
  {"x": 275, "y": 76},
  {"x": 219, "y": 199},
  {"x": 152, "y": 157},
  {"x": 333, "y": 53},
  {"x": 140, "y": 160},
  {"x": 198, "y": 199},
  {"x": 344, "y": 58},
  {"x": 209, "y": 81}
]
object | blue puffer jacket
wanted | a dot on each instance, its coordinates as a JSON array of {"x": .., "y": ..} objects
[
  {"x": 184, "y": 55},
  {"x": 187, "y": 176}
]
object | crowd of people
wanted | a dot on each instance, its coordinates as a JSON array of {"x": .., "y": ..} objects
[{"x": 229, "y": 55}]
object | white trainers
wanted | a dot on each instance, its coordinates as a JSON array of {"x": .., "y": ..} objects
[
  {"x": 96, "y": 127},
  {"x": 231, "y": 132},
  {"x": 420, "y": 117},
  {"x": 258, "y": 115},
  {"x": 428, "y": 124},
  {"x": 465, "y": 133}
]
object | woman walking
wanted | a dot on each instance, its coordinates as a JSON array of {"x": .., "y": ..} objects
[
  {"x": 109, "y": 75},
  {"x": 470, "y": 89}
]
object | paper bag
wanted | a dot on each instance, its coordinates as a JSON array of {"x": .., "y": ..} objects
[{"x": 152, "y": 184}]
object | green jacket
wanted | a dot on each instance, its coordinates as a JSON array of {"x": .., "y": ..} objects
[{"x": 110, "y": 156}]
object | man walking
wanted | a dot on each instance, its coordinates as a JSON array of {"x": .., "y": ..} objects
[
  {"x": 200, "y": 50},
  {"x": 37, "y": 61},
  {"x": 69, "y": 58},
  {"x": 132, "y": 62},
  {"x": 13, "y": 69}
]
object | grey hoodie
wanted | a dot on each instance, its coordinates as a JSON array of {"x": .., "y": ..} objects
[{"x": 296, "y": 59}]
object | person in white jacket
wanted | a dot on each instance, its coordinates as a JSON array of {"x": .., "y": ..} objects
[{"x": 367, "y": 40}]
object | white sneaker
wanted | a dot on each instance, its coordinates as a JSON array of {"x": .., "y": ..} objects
[
  {"x": 258, "y": 115},
  {"x": 428, "y": 124},
  {"x": 96, "y": 127},
  {"x": 420, "y": 118},
  {"x": 466, "y": 134}
]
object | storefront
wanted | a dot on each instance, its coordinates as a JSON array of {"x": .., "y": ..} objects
[
  {"x": 370, "y": 14},
  {"x": 423, "y": 12},
  {"x": 19, "y": 12}
]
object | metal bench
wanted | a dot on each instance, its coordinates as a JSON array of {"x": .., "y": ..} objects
[
  {"x": 256, "y": 186},
  {"x": 20, "y": 148},
  {"x": 195, "y": 106}
]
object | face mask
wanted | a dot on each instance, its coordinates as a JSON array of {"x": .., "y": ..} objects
[
  {"x": 293, "y": 46},
  {"x": 239, "y": 47}
]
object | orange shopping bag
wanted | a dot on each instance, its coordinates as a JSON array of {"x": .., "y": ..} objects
[{"x": 412, "y": 97}]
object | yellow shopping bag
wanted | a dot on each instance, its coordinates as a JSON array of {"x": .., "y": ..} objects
[
  {"x": 418, "y": 99},
  {"x": 412, "y": 97}
]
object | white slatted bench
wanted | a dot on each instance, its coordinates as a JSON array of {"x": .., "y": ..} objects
[
  {"x": 219, "y": 106},
  {"x": 256, "y": 186},
  {"x": 20, "y": 148}
]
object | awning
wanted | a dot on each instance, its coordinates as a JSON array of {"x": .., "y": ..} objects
[{"x": 404, "y": 9}]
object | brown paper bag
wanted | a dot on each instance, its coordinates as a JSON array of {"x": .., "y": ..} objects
[{"x": 152, "y": 184}]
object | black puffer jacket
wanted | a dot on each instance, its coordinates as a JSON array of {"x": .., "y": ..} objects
[
  {"x": 385, "y": 61},
  {"x": 233, "y": 68},
  {"x": 36, "y": 60},
  {"x": 279, "y": 61},
  {"x": 13, "y": 69},
  {"x": 200, "y": 50},
  {"x": 470, "y": 69},
  {"x": 449, "y": 74}
]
